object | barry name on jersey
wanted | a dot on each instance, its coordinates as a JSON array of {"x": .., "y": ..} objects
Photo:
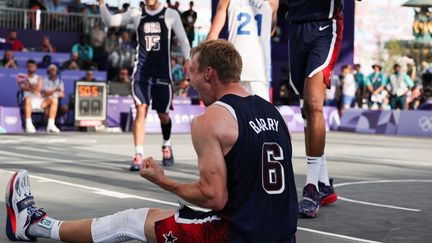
[
  {"x": 261, "y": 125},
  {"x": 253, "y": 3}
]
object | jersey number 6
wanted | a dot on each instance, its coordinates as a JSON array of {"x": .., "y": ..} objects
[{"x": 273, "y": 175}]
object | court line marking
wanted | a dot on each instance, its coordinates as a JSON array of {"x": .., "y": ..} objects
[
  {"x": 337, "y": 235},
  {"x": 375, "y": 182},
  {"x": 121, "y": 195},
  {"x": 104, "y": 192}
]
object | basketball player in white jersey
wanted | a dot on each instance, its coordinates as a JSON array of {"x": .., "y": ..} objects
[{"x": 251, "y": 24}]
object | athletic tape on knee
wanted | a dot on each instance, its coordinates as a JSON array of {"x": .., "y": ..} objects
[{"x": 122, "y": 226}]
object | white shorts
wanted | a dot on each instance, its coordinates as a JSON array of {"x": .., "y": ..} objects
[
  {"x": 36, "y": 101},
  {"x": 257, "y": 88}
]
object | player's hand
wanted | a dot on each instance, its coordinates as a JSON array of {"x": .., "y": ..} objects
[{"x": 152, "y": 171}]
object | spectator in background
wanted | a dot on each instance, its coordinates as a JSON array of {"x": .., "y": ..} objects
[
  {"x": 412, "y": 71},
  {"x": 348, "y": 88},
  {"x": 398, "y": 85},
  {"x": 142, "y": 5},
  {"x": 57, "y": 11},
  {"x": 97, "y": 37},
  {"x": 169, "y": 4},
  {"x": 46, "y": 45},
  {"x": 124, "y": 8},
  {"x": 123, "y": 76},
  {"x": 375, "y": 83},
  {"x": 426, "y": 100},
  {"x": 35, "y": 5},
  {"x": 55, "y": 6},
  {"x": 126, "y": 51},
  {"x": 8, "y": 60},
  {"x": 53, "y": 90},
  {"x": 189, "y": 18},
  {"x": 112, "y": 45},
  {"x": 362, "y": 93},
  {"x": 85, "y": 51},
  {"x": 73, "y": 63},
  {"x": 88, "y": 77},
  {"x": 333, "y": 94},
  {"x": 13, "y": 43},
  {"x": 181, "y": 85},
  {"x": 46, "y": 62},
  {"x": 75, "y": 6},
  {"x": 31, "y": 87}
]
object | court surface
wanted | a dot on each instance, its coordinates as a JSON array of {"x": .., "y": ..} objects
[{"x": 384, "y": 182}]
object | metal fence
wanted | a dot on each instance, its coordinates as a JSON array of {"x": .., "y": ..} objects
[{"x": 15, "y": 18}]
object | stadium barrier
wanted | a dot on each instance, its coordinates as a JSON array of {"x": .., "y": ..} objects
[
  {"x": 407, "y": 123},
  {"x": 16, "y": 18}
]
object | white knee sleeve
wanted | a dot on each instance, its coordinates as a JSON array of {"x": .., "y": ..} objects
[{"x": 122, "y": 226}]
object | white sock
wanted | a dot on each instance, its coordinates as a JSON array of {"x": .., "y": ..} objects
[
  {"x": 51, "y": 122},
  {"x": 139, "y": 150},
  {"x": 313, "y": 170},
  {"x": 46, "y": 228},
  {"x": 28, "y": 121},
  {"x": 323, "y": 177},
  {"x": 166, "y": 142}
]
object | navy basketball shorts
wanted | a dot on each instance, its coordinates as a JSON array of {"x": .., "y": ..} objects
[
  {"x": 155, "y": 91},
  {"x": 188, "y": 225},
  {"x": 313, "y": 47}
]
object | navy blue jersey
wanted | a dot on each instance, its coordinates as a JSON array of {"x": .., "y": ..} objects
[
  {"x": 314, "y": 10},
  {"x": 154, "y": 46},
  {"x": 262, "y": 198}
]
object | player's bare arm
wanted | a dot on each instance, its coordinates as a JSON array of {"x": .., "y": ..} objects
[
  {"x": 274, "y": 5},
  {"x": 210, "y": 190},
  {"x": 219, "y": 20}
]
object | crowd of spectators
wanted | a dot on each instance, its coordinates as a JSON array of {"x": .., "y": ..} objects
[{"x": 400, "y": 88}]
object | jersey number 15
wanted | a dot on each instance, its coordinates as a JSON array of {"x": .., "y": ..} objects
[{"x": 245, "y": 20}]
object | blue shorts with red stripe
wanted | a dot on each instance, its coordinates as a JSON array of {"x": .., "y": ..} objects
[
  {"x": 190, "y": 226},
  {"x": 313, "y": 47},
  {"x": 157, "y": 91}
]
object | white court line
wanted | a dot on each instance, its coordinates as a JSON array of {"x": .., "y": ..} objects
[
  {"x": 378, "y": 205},
  {"x": 121, "y": 195},
  {"x": 104, "y": 192},
  {"x": 375, "y": 182},
  {"x": 337, "y": 235}
]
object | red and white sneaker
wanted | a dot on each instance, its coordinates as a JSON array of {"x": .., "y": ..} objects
[
  {"x": 21, "y": 209},
  {"x": 136, "y": 163}
]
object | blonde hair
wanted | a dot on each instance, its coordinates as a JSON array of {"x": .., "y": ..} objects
[{"x": 222, "y": 56}]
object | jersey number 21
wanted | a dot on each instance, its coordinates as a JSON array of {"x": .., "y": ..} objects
[{"x": 245, "y": 21}]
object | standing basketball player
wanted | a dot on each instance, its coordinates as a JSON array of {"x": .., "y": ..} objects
[
  {"x": 245, "y": 174},
  {"x": 251, "y": 24},
  {"x": 315, "y": 37},
  {"x": 152, "y": 71}
]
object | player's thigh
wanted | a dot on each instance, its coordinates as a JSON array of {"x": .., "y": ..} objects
[
  {"x": 154, "y": 215},
  {"x": 162, "y": 97},
  {"x": 188, "y": 225},
  {"x": 298, "y": 54},
  {"x": 141, "y": 92},
  {"x": 324, "y": 47}
]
